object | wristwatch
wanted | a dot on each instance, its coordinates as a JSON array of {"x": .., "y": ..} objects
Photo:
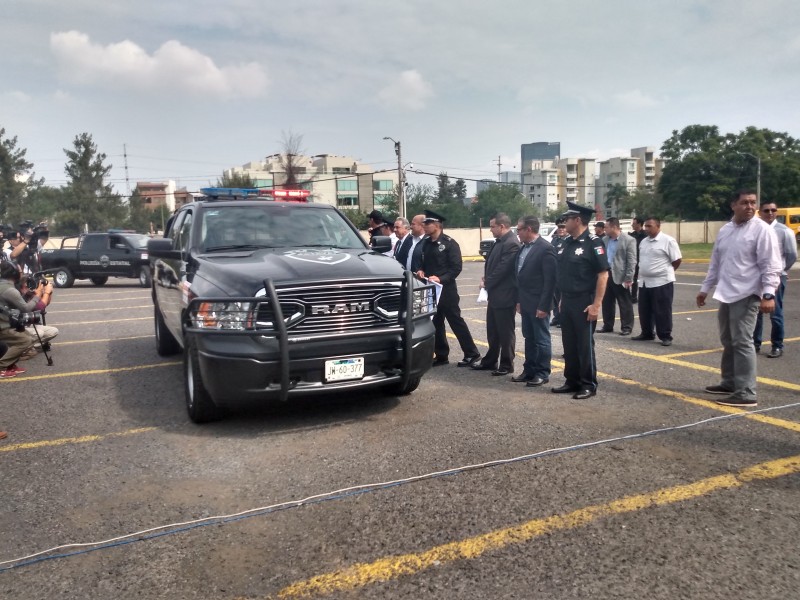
[{"x": 768, "y": 297}]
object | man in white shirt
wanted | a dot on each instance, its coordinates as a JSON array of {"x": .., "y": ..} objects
[
  {"x": 659, "y": 256},
  {"x": 745, "y": 268},
  {"x": 768, "y": 211}
]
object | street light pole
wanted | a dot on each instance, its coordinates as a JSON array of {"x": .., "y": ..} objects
[
  {"x": 758, "y": 173},
  {"x": 401, "y": 200}
]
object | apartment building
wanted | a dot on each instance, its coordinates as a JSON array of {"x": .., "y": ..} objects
[
  {"x": 339, "y": 181},
  {"x": 157, "y": 193},
  {"x": 620, "y": 170},
  {"x": 650, "y": 166},
  {"x": 577, "y": 180}
]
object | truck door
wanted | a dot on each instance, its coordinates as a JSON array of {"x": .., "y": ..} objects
[
  {"x": 170, "y": 274},
  {"x": 91, "y": 255},
  {"x": 120, "y": 256}
]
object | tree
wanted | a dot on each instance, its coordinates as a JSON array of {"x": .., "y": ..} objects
[
  {"x": 16, "y": 179},
  {"x": 419, "y": 196},
  {"x": 445, "y": 194},
  {"x": 501, "y": 198},
  {"x": 359, "y": 219},
  {"x": 705, "y": 168},
  {"x": 88, "y": 201},
  {"x": 616, "y": 196},
  {"x": 642, "y": 202},
  {"x": 235, "y": 180},
  {"x": 139, "y": 217},
  {"x": 289, "y": 160}
]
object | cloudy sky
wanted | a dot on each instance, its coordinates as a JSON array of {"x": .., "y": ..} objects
[{"x": 194, "y": 87}]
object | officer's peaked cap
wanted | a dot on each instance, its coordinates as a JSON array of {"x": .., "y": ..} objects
[
  {"x": 575, "y": 210},
  {"x": 432, "y": 217}
]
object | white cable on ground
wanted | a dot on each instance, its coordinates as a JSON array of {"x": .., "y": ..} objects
[{"x": 145, "y": 533}]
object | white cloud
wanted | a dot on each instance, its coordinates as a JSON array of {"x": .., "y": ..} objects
[
  {"x": 409, "y": 92},
  {"x": 635, "y": 99},
  {"x": 173, "y": 67}
]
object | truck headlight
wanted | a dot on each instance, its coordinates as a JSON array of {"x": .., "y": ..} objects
[
  {"x": 423, "y": 301},
  {"x": 222, "y": 315}
]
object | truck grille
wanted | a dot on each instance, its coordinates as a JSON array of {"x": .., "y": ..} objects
[{"x": 334, "y": 309}]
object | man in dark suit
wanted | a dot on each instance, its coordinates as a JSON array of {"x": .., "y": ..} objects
[
  {"x": 418, "y": 235},
  {"x": 536, "y": 270},
  {"x": 441, "y": 263},
  {"x": 402, "y": 249},
  {"x": 501, "y": 287},
  {"x": 621, "y": 253}
]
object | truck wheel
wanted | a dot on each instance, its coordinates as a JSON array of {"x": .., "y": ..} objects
[
  {"x": 200, "y": 406},
  {"x": 166, "y": 344},
  {"x": 98, "y": 280},
  {"x": 397, "y": 389},
  {"x": 144, "y": 277},
  {"x": 63, "y": 278}
]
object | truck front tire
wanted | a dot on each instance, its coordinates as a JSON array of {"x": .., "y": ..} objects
[
  {"x": 398, "y": 389},
  {"x": 98, "y": 280},
  {"x": 63, "y": 278},
  {"x": 199, "y": 405},
  {"x": 144, "y": 277},
  {"x": 166, "y": 344}
]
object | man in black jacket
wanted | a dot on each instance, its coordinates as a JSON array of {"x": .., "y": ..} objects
[
  {"x": 501, "y": 287},
  {"x": 535, "y": 272}
]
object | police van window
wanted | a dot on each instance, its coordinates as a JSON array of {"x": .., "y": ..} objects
[
  {"x": 117, "y": 243},
  {"x": 183, "y": 234},
  {"x": 175, "y": 228}
]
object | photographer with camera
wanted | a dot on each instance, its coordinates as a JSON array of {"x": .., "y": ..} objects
[
  {"x": 40, "y": 332},
  {"x": 15, "y": 313}
]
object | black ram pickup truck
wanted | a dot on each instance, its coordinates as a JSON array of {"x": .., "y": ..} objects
[
  {"x": 98, "y": 256},
  {"x": 269, "y": 299}
]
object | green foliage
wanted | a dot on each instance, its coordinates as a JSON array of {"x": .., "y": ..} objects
[
  {"x": 139, "y": 217},
  {"x": 419, "y": 196},
  {"x": 359, "y": 219},
  {"x": 705, "y": 168},
  {"x": 235, "y": 180},
  {"x": 16, "y": 179},
  {"x": 641, "y": 202},
  {"x": 87, "y": 202},
  {"x": 500, "y": 198}
]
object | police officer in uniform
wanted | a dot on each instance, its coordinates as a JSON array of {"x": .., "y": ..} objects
[
  {"x": 582, "y": 277},
  {"x": 441, "y": 263}
]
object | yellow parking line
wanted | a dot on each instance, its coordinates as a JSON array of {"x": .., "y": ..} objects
[
  {"x": 713, "y": 350},
  {"x": 682, "y": 363},
  {"x": 96, "y": 300},
  {"x": 119, "y": 339},
  {"x": 76, "y": 310},
  {"x": 393, "y": 567},
  {"x": 106, "y": 321},
  {"x": 27, "y": 378},
  {"x": 73, "y": 440}
]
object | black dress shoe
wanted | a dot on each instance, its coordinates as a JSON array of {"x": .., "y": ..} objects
[
  {"x": 775, "y": 352},
  {"x": 479, "y": 367},
  {"x": 468, "y": 361},
  {"x": 643, "y": 338},
  {"x": 584, "y": 394},
  {"x": 500, "y": 372},
  {"x": 564, "y": 389},
  {"x": 604, "y": 330},
  {"x": 438, "y": 362},
  {"x": 522, "y": 378},
  {"x": 625, "y": 332},
  {"x": 536, "y": 382}
]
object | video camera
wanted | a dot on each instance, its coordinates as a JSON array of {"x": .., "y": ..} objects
[
  {"x": 33, "y": 233},
  {"x": 20, "y": 320}
]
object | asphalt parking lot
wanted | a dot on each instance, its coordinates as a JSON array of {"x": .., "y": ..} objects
[{"x": 471, "y": 487}]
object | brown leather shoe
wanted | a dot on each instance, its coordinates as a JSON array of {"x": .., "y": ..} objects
[{"x": 3, "y": 435}]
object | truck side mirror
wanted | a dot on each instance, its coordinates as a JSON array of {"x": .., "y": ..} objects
[{"x": 162, "y": 248}]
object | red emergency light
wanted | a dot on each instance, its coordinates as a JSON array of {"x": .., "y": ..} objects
[{"x": 286, "y": 195}]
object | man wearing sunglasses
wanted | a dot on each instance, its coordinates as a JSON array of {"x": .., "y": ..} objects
[{"x": 788, "y": 246}]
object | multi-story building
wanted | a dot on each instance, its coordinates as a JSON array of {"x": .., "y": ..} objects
[
  {"x": 538, "y": 151},
  {"x": 577, "y": 180},
  {"x": 157, "y": 193},
  {"x": 650, "y": 166},
  {"x": 541, "y": 185},
  {"x": 620, "y": 170},
  {"x": 340, "y": 181}
]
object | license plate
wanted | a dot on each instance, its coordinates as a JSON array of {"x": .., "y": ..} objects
[{"x": 344, "y": 368}]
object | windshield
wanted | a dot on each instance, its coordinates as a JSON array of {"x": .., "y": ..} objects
[
  {"x": 275, "y": 226},
  {"x": 137, "y": 240}
]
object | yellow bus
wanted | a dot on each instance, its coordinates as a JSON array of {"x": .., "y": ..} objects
[{"x": 791, "y": 218}]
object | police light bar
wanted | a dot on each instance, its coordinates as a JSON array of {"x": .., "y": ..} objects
[{"x": 240, "y": 192}]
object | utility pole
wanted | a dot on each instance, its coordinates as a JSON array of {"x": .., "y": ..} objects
[
  {"x": 401, "y": 201},
  {"x": 127, "y": 180},
  {"x": 758, "y": 173},
  {"x": 499, "y": 164}
]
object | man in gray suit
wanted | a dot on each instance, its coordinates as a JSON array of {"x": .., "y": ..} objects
[
  {"x": 536, "y": 279},
  {"x": 501, "y": 286},
  {"x": 621, "y": 251}
]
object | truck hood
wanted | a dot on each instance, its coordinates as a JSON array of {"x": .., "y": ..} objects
[{"x": 243, "y": 273}]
